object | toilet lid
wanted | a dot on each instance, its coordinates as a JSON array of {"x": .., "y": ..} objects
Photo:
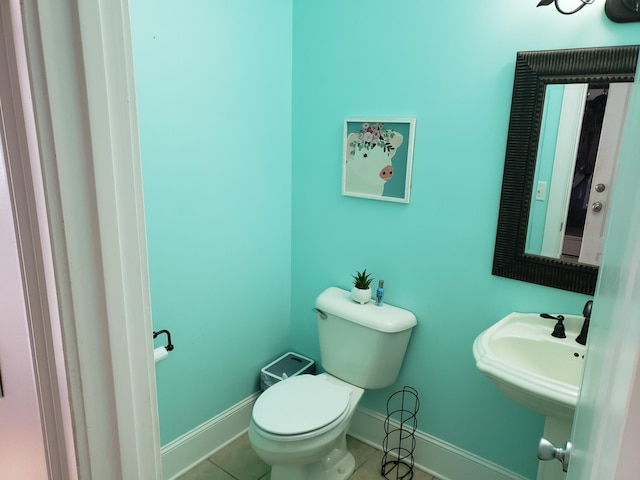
[{"x": 299, "y": 405}]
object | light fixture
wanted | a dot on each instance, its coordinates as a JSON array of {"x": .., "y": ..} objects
[
  {"x": 544, "y": 3},
  {"x": 622, "y": 11}
]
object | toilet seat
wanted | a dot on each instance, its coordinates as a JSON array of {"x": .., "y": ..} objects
[{"x": 301, "y": 407}]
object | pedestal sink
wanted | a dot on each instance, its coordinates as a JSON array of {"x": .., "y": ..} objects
[{"x": 531, "y": 367}]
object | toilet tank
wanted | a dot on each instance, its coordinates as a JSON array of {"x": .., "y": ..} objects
[{"x": 363, "y": 345}]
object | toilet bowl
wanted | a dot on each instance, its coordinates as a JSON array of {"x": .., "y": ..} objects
[{"x": 299, "y": 427}]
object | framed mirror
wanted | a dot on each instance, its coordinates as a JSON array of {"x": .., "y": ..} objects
[{"x": 534, "y": 129}]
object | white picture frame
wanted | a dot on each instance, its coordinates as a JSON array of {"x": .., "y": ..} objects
[{"x": 377, "y": 158}]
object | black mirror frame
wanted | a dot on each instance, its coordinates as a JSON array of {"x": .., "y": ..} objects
[{"x": 534, "y": 71}]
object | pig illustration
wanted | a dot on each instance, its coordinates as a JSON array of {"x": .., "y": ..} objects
[{"x": 368, "y": 158}]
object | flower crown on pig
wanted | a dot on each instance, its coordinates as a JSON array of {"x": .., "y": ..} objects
[{"x": 370, "y": 136}]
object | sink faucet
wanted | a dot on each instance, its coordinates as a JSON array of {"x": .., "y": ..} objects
[
  {"x": 558, "y": 330},
  {"x": 582, "y": 338}
]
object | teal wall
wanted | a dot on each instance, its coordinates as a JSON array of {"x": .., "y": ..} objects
[
  {"x": 241, "y": 107},
  {"x": 213, "y": 83},
  {"x": 450, "y": 65}
]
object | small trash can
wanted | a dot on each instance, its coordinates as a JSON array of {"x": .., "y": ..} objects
[{"x": 288, "y": 365}]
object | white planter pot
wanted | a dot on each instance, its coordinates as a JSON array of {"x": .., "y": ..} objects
[{"x": 361, "y": 296}]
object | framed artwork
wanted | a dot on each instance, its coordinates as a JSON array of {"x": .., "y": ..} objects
[{"x": 377, "y": 159}]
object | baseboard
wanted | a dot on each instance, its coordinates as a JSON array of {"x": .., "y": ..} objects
[
  {"x": 432, "y": 455},
  {"x": 193, "y": 447}
]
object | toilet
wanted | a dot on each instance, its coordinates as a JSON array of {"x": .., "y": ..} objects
[{"x": 299, "y": 425}]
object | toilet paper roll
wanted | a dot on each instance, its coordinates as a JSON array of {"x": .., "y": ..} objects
[{"x": 160, "y": 353}]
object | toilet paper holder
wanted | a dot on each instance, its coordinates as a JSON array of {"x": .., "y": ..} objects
[{"x": 169, "y": 346}]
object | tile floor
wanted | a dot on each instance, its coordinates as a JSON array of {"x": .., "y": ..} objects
[{"x": 239, "y": 462}]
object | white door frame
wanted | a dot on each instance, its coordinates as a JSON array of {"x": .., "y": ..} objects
[
  {"x": 570, "y": 126},
  {"x": 79, "y": 56}
]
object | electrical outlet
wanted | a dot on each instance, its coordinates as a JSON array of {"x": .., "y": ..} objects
[{"x": 541, "y": 191}]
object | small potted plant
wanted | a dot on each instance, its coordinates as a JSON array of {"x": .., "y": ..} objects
[{"x": 361, "y": 291}]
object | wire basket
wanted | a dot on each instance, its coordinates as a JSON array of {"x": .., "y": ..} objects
[{"x": 400, "y": 442}]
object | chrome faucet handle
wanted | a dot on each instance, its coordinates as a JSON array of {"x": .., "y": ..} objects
[{"x": 586, "y": 311}]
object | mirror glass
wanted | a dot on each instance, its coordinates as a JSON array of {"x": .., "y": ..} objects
[
  {"x": 567, "y": 113},
  {"x": 581, "y": 129}
]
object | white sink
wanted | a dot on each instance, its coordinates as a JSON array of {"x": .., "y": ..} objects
[{"x": 530, "y": 366}]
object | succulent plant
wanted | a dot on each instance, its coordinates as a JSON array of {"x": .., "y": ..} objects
[{"x": 361, "y": 280}]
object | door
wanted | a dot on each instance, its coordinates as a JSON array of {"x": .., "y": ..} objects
[
  {"x": 607, "y": 421},
  {"x": 604, "y": 172}
]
